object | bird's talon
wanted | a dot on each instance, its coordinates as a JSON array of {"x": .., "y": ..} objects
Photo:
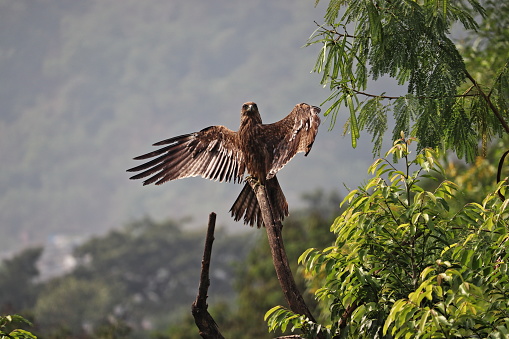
[{"x": 253, "y": 181}]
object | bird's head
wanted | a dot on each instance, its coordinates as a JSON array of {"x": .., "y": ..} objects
[{"x": 250, "y": 110}]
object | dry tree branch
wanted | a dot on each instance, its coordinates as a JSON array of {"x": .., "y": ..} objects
[{"x": 204, "y": 321}]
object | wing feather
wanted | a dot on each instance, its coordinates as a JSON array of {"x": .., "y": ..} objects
[
  {"x": 216, "y": 171},
  {"x": 297, "y": 132},
  {"x": 213, "y": 153}
]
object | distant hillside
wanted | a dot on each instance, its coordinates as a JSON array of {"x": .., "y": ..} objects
[{"x": 87, "y": 85}]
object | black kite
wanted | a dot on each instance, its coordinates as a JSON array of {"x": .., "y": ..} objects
[{"x": 218, "y": 153}]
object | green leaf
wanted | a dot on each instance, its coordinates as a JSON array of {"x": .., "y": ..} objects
[
  {"x": 396, "y": 308},
  {"x": 270, "y": 312},
  {"x": 354, "y": 128},
  {"x": 349, "y": 197},
  {"x": 426, "y": 271}
]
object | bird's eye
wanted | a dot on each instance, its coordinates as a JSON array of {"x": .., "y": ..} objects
[
  {"x": 255, "y": 107},
  {"x": 244, "y": 106}
]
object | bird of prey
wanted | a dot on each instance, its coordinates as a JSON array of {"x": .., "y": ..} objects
[{"x": 218, "y": 153}]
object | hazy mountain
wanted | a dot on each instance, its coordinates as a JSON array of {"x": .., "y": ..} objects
[{"x": 87, "y": 85}]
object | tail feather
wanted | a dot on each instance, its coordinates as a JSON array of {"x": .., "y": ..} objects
[
  {"x": 277, "y": 198},
  {"x": 247, "y": 205}
]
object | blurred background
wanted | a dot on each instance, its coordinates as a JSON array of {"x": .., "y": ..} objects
[{"x": 86, "y": 86}]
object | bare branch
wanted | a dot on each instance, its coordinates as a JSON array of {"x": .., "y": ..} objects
[{"x": 204, "y": 321}]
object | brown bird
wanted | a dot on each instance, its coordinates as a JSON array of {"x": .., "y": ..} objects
[{"x": 218, "y": 153}]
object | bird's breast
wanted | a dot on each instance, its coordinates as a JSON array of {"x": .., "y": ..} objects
[{"x": 256, "y": 152}]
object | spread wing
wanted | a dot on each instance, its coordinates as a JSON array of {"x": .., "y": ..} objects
[
  {"x": 291, "y": 135},
  {"x": 212, "y": 153}
]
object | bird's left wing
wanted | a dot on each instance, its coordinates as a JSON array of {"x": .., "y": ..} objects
[
  {"x": 293, "y": 134},
  {"x": 212, "y": 153}
]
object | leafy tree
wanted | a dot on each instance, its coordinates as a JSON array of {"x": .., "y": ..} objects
[
  {"x": 406, "y": 265},
  {"x": 18, "y": 288},
  {"x": 112, "y": 329},
  {"x": 410, "y": 42},
  {"x": 73, "y": 305},
  {"x": 475, "y": 180},
  {"x": 486, "y": 51},
  {"x": 154, "y": 265},
  {"x": 8, "y": 321},
  {"x": 132, "y": 281}
]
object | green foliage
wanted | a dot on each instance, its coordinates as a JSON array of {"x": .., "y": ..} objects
[
  {"x": 410, "y": 42},
  {"x": 6, "y": 324},
  {"x": 18, "y": 289},
  {"x": 112, "y": 329},
  {"x": 486, "y": 52},
  {"x": 128, "y": 282},
  {"x": 62, "y": 304},
  {"x": 406, "y": 263},
  {"x": 475, "y": 179},
  {"x": 145, "y": 273}
]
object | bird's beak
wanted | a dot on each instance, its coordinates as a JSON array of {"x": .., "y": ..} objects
[{"x": 250, "y": 108}]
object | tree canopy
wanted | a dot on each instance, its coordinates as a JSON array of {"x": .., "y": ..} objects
[
  {"x": 445, "y": 106},
  {"x": 405, "y": 263}
]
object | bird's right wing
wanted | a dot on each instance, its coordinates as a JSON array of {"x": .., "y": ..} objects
[{"x": 212, "y": 153}]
